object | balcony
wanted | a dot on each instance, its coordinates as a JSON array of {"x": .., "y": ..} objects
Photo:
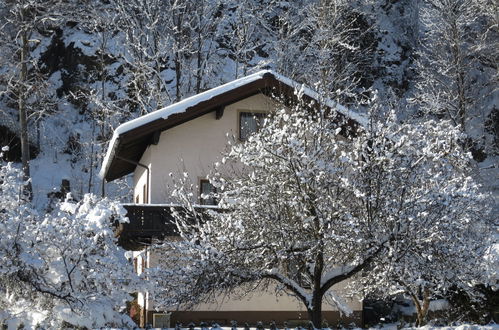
[{"x": 147, "y": 223}]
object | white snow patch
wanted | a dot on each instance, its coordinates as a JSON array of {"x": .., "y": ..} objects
[
  {"x": 391, "y": 326},
  {"x": 87, "y": 43},
  {"x": 461, "y": 327},
  {"x": 311, "y": 93},
  {"x": 492, "y": 265},
  {"x": 339, "y": 302}
]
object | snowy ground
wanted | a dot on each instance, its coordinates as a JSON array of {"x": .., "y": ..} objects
[
  {"x": 394, "y": 326},
  {"x": 429, "y": 327}
]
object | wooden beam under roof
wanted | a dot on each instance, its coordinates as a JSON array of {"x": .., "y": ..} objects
[{"x": 219, "y": 112}]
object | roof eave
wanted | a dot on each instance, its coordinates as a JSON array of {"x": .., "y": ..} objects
[{"x": 136, "y": 135}]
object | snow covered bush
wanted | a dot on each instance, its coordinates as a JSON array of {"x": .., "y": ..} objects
[
  {"x": 305, "y": 204},
  {"x": 63, "y": 267}
]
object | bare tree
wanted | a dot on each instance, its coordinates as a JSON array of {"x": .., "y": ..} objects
[
  {"x": 332, "y": 44},
  {"x": 207, "y": 17}
]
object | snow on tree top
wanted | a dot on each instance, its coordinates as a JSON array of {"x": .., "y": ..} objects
[{"x": 189, "y": 102}]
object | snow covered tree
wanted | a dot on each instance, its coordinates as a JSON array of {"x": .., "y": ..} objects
[
  {"x": 340, "y": 50},
  {"x": 244, "y": 33},
  {"x": 146, "y": 50},
  {"x": 20, "y": 77},
  {"x": 328, "y": 43},
  {"x": 421, "y": 182},
  {"x": 103, "y": 99},
  {"x": 396, "y": 30},
  {"x": 307, "y": 205},
  {"x": 290, "y": 36},
  {"x": 206, "y": 18},
  {"x": 168, "y": 46},
  {"x": 457, "y": 65},
  {"x": 63, "y": 267}
]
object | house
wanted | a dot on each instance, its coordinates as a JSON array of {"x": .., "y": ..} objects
[{"x": 189, "y": 136}]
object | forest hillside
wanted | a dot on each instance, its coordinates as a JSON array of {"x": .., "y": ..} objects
[{"x": 75, "y": 69}]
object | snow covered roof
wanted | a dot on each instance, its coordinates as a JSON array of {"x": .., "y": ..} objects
[{"x": 131, "y": 139}]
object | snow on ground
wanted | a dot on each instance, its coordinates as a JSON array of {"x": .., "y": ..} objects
[
  {"x": 435, "y": 305},
  {"x": 396, "y": 326},
  {"x": 392, "y": 326},
  {"x": 458, "y": 327},
  {"x": 53, "y": 164}
]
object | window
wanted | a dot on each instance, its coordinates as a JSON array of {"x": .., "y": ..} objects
[
  {"x": 249, "y": 123},
  {"x": 297, "y": 270},
  {"x": 206, "y": 190},
  {"x": 161, "y": 320},
  {"x": 144, "y": 194}
]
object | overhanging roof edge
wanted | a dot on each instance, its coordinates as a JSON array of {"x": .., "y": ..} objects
[{"x": 191, "y": 102}]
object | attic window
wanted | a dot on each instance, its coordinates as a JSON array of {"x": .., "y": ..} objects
[
  {"x": 206, "y": 190},
  {"x": 249, "y": 123}
]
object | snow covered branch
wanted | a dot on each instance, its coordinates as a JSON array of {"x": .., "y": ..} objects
[{"x": 316, "y": 208}]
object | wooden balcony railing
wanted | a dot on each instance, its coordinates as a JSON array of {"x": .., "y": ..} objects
[{"x": 147, "y": 223}]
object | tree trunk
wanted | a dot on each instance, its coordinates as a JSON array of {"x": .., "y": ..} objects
[
  {"x": 103, "y": 188},
  {"x": 91, "y": 166},
  {"x": 178, "y": 55},
  {"x": 178, "y": 75},
  {"x": 458, "y": 63},
  {"x": 315, "y": 314},
  {"x": 23, "y": 117},
  {"x": 422, "y": 310},
  {"x": 199, "y": 64}
]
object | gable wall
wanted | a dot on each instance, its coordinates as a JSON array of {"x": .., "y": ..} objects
[{"x": 192, "y": 147}]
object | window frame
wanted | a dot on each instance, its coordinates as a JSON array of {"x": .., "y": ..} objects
[
  {"x": 256, "y": 113},
  {"x": 203, "y": 201}
]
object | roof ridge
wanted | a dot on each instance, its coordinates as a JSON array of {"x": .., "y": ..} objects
[{"x": 196, "y": 99}]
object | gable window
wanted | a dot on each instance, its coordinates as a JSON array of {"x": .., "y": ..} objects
[
  {"x": 249, "y": 123},
  {"x": 206, "y": 190}
]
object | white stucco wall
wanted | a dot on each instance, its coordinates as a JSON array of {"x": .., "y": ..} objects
[
  {"x": 140, "y": 178},
  {"x": 192, "y": 147},
  {"x": 259, "y": 298}
]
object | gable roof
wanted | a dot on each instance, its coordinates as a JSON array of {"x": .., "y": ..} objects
[{"x": 131, "y": 139}]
